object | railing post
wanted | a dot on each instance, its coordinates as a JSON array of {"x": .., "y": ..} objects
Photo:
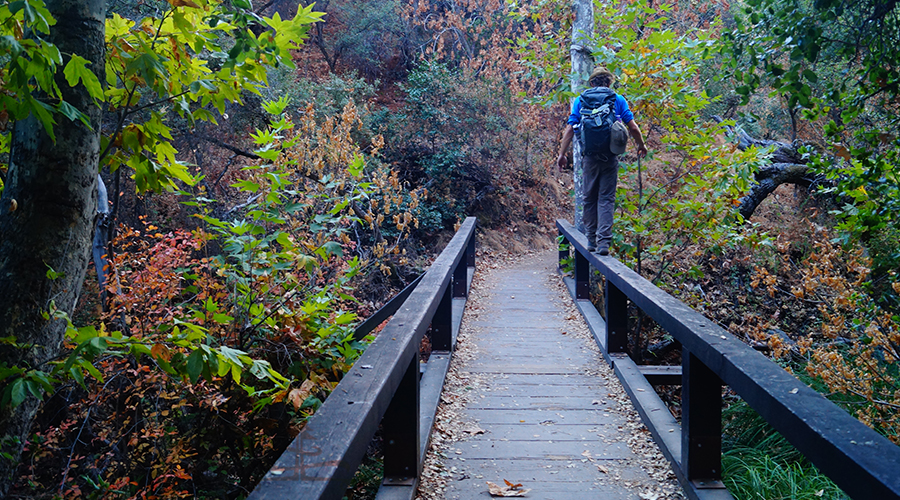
[
  {"x": 582, "y": 277},
  {"x": 470, "y": 252},
  {"x": 701, "y": 422},
  {"x": 442, "y": 323},
  {"x": 616, "y": 319},
  {"x": 400, "y": 429},
  {"x": 461, "y": 277}
]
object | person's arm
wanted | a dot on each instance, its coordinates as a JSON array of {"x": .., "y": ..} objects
[
  {"x": 638, "y": 137},
  {"x": 568, "y": 133}
]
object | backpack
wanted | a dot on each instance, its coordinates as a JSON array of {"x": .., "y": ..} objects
[{"x": 598, "y": 114}]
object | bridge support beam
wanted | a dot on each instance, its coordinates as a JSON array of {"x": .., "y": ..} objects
[
  {"x": 442, "y": 322},
  {"x": 461, "y": 276},
  {"x": 616, "y": 319},
  {"x": 582, "y": 277},
  {"x": 701, "y": 422},
  {"x": 400, "y": 429}
]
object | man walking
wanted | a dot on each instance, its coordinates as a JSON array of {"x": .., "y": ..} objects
[{"x": 600, "y": 171}]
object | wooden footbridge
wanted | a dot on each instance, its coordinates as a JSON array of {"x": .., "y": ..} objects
[{"x": 546, "y": 406}]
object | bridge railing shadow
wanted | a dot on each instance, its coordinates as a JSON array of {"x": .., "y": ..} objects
[
  {"x": 386, "y": 388},
  {"x": 863, "y": 463}
]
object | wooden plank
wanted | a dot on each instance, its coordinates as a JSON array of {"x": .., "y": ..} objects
[
  {"x": 861, "y": 461},
  {"x": 568, "y": 379},
  {"x": 533, "y": 416},
  {"x": 541, "y": 401},
  {"x": 543, "y": 432},
  {"x": 546, "y": 450},
  {"x": 430, "y": 386},
  {"x": 547, "y": 402},
  {"x": 469, "y": 486},
  {"x": 596, "y": 323}
]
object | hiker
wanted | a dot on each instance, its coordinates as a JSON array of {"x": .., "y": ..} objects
[{"x": 601, "y": 163}]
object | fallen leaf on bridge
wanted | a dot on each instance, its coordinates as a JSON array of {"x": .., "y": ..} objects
[
  {"x": 510, "y": 490},
  {"x": 474, "y": 430}
]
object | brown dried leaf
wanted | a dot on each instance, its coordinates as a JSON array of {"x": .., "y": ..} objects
[
  {"x": 473, "y": 430},
  {"x": 183, "y": 3},
  {"x": 505, "y": 491},
  {"x": 298, "y": 396}
]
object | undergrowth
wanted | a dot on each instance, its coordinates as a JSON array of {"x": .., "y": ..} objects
[{"x": 758, "y": 463}]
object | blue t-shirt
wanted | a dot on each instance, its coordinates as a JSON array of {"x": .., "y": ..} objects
[{"x": 622, "y": 111}]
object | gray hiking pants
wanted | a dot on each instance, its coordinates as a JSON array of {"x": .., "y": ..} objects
[{"x": 599, "y": 196}]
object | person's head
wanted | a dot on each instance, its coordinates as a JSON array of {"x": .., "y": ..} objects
[{"x": 601, "y": 77}]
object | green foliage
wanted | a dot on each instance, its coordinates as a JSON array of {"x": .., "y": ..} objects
[
  {"x": 567, "y": 264},
  {"x": 759, "y": 463},
  {"x": 194, "y": 59},
  {"x": 368, "y": 35},
  {"x": 28, "y": 66},
  {"x": 328, "y": 95},
  {"x": 836, "y": 66},
  {"x": 451, "y": 137},
  {"x": 221, "y": 341},
  {"x": 694, "y": 200},
  {"x": 188, "y": 60}
]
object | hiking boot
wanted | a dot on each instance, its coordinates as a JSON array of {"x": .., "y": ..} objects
[
  {"x": 604, "y": 248},
  {"x": 592, "y": 246}
]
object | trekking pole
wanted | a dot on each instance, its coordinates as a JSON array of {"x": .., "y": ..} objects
[
  {"x": 640, "y": 211},
  {"x": 637, "y": 346}
]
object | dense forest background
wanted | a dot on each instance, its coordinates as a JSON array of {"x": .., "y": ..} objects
[{"x": 270, "y": 174}]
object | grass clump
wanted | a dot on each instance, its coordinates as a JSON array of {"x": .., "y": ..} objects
[{"x": 759, "y": 464}]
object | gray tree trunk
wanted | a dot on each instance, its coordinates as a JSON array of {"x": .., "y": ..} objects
[
  {"x": 582, "y": 64},
  {"x": 49, "y": 225}
]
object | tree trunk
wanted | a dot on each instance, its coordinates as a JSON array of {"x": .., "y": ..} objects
[
  {"x": 582, "y": 64},
  {"x": 768, "y": 179},
  {"x": 787, "y": 167},
  {"x": 47, "y": 213}
]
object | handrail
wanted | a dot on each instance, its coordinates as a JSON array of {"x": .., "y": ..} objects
[
  {"x": 863, "y": 463},
  {"x": 385, "y": 311},
  {"x": 381, "y": 387}
]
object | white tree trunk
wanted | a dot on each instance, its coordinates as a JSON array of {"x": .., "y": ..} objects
[{"x": 582, "y": 64}]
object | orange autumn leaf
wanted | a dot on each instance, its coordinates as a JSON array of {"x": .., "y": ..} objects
[{"x": 183, "y": 3}]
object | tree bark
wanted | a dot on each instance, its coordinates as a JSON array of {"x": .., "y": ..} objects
[
  {"x": 582, "y": 64},
  {"x": 769, "y": 178},
  {"x": 787, "y": 167},
  {"x": 54, "y": 185}
]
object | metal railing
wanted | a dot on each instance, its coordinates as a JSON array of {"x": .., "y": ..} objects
[
  {"x": 863, "y": 463},
  {"x": 383, "y": 387}
]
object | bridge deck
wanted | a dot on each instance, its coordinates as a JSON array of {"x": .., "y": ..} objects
[{"x": 554, "y": 416}]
